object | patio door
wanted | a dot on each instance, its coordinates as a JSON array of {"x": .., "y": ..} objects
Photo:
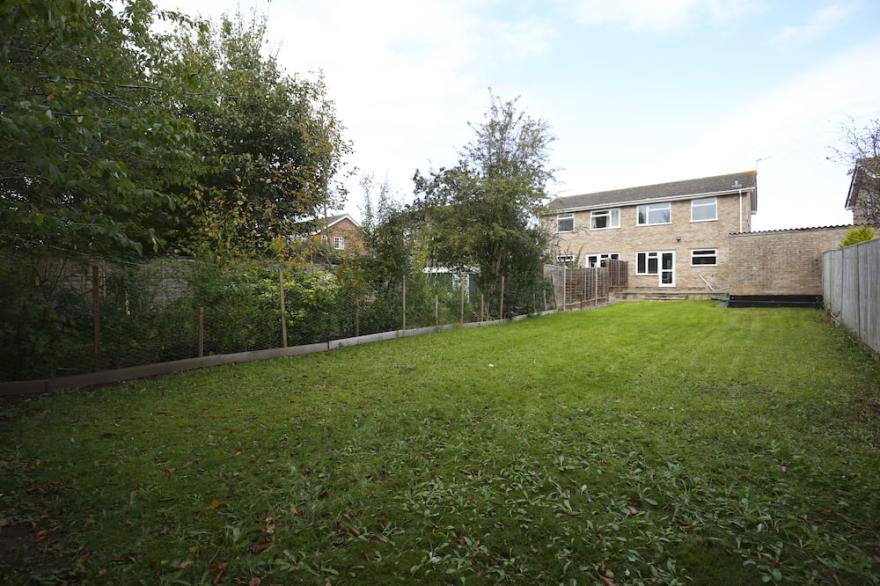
[{"x": 667, "y": 269}]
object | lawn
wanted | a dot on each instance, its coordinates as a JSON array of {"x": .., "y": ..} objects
[{"x": 642, "y": 442}]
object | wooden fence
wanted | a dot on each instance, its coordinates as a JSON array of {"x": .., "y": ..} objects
[
  {"x": 577, "y": 287},
  {"x": 851, "y": 289}
]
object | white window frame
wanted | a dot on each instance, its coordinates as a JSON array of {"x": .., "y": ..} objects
[
  {"x": 565, "y": 217},
  {"x": 714, "y": 255},
  {"x": 611, "y": 214},
  {"x": 564, "y": 258},
  {"x": 600, "y": 256},
  {"x": 705, "y": 202},
  {"x": 667, "y": 205},
  {"x": 648, "y": 254},
  {"x": 339, "y": 243}
]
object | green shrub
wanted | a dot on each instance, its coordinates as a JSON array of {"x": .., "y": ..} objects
[{"x": 857, "y": 234}]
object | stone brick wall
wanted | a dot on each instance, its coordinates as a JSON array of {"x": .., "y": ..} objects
[
  {"x": 681, "y": 236},
  {"x": 785, "y": 262}
]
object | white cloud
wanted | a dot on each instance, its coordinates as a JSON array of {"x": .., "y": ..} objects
[
  {"x": 657, "y": 15},
  {"x": 821, "y": 22}
]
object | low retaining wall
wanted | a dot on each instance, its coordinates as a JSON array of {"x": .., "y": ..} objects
[
  {"x": 159, "y": 368},
  {"x": 781, "y": 262}
]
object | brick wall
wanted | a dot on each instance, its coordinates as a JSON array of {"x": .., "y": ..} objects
[
  {"x": 780, "y": 263},
  {"x": 354, "y": 240}
]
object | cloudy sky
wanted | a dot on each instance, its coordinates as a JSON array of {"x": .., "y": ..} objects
[{"x": 635, "y": 91}]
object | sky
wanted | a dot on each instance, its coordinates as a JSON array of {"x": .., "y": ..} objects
[{"x": 634, "y": 91}]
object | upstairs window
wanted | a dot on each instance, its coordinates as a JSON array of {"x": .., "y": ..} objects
[
  {"x": 602, "y": 219},
  {"x": 565, "y": 223},
  {"x": 339, "y": 243},
  {"x": 704, "y": 210},
  {"x": 707, "y": 257},
  {"x": 655, "y": 213},
  {"x": 565, "y": 259}
]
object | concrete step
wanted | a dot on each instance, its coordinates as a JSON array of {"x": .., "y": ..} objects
[{"x": 663, "y": 294}]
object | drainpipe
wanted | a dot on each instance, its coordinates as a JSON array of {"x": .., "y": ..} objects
[{"x": 740, "y": 210}]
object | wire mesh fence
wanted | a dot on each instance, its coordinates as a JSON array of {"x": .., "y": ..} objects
[{"x": 69, "y": 316}]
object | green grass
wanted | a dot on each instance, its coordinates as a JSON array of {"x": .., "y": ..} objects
[{"x": 647, "y": 442}]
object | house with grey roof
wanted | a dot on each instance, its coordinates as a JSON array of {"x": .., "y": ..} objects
[{"x": 673, "y": 235}]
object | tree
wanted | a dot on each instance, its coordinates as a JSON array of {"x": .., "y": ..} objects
[
  {"x": 480, "y": 213},
  {"x": 272, "y": 144},
  {"x": 857, "y": 234},
  {"x": 91, "y": 153},
  {"x": 861, "y": 151}
]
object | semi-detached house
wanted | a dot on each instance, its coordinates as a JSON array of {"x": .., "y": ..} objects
[{"x": 673, "y": 235}]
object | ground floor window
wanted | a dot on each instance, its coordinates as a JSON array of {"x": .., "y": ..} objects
[
  {"x": 565, "y": 259},
  {"x": 339, "y": 243},
  {"x": 599, "y": 259},
  {"x": 647, "y": 263},
  {"x": 705, "y": 257}
]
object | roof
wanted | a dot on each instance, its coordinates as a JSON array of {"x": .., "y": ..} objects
[
  {"x": 861, "y": 167},
  {"x": 331, "y": 220},
  {"x": 687, "y": 189},
  {"x": 775, "y": 230}
]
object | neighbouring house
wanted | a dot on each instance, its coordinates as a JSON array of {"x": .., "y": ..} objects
[
  {"x": 342, "y": 234},
  {"x": 863, "y": 197},
  {"x": 673, "y": 235}
]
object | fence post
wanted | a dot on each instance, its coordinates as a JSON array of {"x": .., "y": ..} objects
[
  {"x": 584, "y": 299},
  {"x": 96, "y": 315},
  {"x": 544, "y": 291},
  {"x": 564, "y": 286},
  {"x": 357, "y": 318},
  {"x": 501, "y": 300},
  {"x": 596, "y": 284},
  {"x": 437, "y": 309},
  {"x": 461, "y": 300},
  {"x": 201, "y": 331},
  {"x": 283, "y": 310},
  {"x": 403, "y": 326},
  {"x": 482, "y": 306}
]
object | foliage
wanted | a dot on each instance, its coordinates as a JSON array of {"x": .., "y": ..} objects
[
  {"x": 480, "y": 213},
  {"x": 91, "y": 151},
  {"x": 608, "y": 446},
  {"x": 118, "y": 140},
  {"x": 272, "y": 142},
  {"x": 861, "y": 151},
  {"x": 857, "y": 234}
]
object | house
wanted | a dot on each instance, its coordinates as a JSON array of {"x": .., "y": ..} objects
[
  {"x": 342, "y": 233},
  {"x": 673, "y": 235},
  {"x": 863, "y": 197}
]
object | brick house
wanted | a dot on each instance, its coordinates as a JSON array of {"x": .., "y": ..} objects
[
  {"x": 865, "y": 181},
  {"x": 673, "y": 235},
  {"x": 342, "y": 233}
]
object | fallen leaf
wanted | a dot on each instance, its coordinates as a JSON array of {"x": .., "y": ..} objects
[
  {"x": 216, "y": 504},
  {"x": 261, "y": 546},
  {"x": 606, "y": 580},
  {"x": 218, "y": 570},
  {"x": 184, "y": 564},
  {"x": 169, "y": 471},
  {"x": 194, "y": 550},
  {"x": 255, "y": 581},
  {"x": 81, "y": 560}
]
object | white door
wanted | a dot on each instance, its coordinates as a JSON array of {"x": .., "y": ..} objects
[{"x": 667, "y": 269}]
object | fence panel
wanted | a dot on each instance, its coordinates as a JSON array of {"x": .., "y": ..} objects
[{"x": 851, "y": 289}]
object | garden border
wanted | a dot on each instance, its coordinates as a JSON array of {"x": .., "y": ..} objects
[{"x": 104, "y": 377}]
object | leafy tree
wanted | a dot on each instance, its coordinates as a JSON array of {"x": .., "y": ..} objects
[
  {"x": 857, "y": 234},
  {"x": 480, "y": 213},
  {"x": 861, "y": 151},
  {"x": 90, "y": 151},
  {"x": 272, "y": 143}
]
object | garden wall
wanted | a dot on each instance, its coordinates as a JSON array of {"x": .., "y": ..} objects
[{"x": 781, "y": 262}]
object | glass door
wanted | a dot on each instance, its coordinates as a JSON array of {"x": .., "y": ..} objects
[{"x": 667, "y": 269}]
